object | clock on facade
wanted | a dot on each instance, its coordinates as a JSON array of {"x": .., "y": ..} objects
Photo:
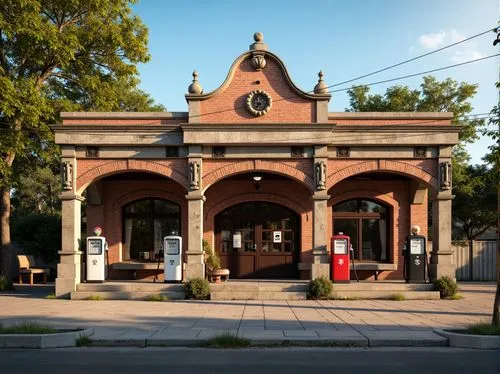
[{"x": 258, "y": 102}]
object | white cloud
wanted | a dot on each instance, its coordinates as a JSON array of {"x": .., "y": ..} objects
[
  {"x": 442, "y": 38},
  {"x": 436, "y": 40}
]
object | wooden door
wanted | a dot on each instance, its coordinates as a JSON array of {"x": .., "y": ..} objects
[{"x": 258, "y": 240}]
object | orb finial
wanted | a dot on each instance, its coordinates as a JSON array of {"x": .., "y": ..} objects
[
  {"x": 321, "y": 87},
  {"x": 195, "y": 87},
  {"x": 259, "y": 44}
]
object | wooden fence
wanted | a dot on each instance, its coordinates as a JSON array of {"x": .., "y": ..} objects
[
  {"x": 484, "y": 254},
  {"x": 483, "y": 260}
]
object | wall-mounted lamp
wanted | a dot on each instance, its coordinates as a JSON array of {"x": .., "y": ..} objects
[{"x": 257, "y": 179}]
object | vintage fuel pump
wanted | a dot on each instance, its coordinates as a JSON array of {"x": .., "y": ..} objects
[
  {"x": 340, "y": 246},
  {"x": 172, "y": 246},
  {"x": 97, "y": 248},
  {"x": 415, "y": 256}
]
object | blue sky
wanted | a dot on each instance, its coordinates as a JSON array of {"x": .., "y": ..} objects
[{"x": 343, "y": 38}]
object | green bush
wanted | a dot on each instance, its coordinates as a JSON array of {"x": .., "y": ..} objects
[
  {"x": 5, "y": 284},
  {"x": 28, "y": 328},
  {"x": 212, "y": 260},
  {"x": 38, "y": 234},
  {"x": 320, "y": 288},
  {"x": 446, "y": 286},
  {"x": 197, "y": 288}
]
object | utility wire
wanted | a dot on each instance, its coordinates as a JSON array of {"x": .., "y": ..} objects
[
  {"x": 412, "y": 59},
  {"x": 415, "y": 74}
]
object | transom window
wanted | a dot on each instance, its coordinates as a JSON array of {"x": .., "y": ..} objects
[
  {"x": 145, "y": 223},
  {"x": 365, "y": 221}
]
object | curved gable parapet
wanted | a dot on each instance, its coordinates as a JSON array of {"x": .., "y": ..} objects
[{"x": 249, "y": 55}]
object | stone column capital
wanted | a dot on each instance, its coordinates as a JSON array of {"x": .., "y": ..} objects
[
  {"x": 320, "y": 197},
  {"x": 196, "y": 196},
  {"x": 66, "y": 197}
]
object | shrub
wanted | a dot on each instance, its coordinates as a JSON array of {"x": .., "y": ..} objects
[
  {"x": 446, "y": 286},
  {"x": 212, "y": 261},
  {"x": 320, "y": 288},
  {"x": 397, "y": 297},
  {"x": 83, "y": 341},
  {"x": 227, "y": 340},
  {"x": 38, "y": 234},
  {"x": 28, "y": 328},
  {"x": 51, "y": 296},
  {"x": 156, "y": 297},
  {"x": 5, "y": 284},
  {"x": 484, "y": 328},
  {"x": 95, "y": 297},
  {"x": 197, "y": 288}
]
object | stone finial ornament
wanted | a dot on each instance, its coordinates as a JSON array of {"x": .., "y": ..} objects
[
  {"x": 67, "y": 176},
  {"x": 195, "y": 87},
  {"x": 320, "y": 175},
  {"x": 321, "y": 87},
  {"x": 259, "y": 44}
]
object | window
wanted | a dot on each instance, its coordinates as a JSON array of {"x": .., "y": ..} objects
[
  {"x": 145, "y": 223},
  {"x": 365, "y": 221},
  {"x": 218, "y": 151},
  {"x": 171, "y": 151}
]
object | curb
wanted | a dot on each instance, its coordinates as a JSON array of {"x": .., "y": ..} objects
[
  {"x": 61, "y": 339},
  {"x": 459, "y": 340}
]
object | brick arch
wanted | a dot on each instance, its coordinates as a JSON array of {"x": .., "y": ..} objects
[
  {"x": 245, "y": 198},
  {"x": 258, "y": 165},
  {"x": 115, "y": 167},
  {"x": 146, "y": 194},
  {"x": 383, "y": 165},
  {"x": 397, "y": 227}
]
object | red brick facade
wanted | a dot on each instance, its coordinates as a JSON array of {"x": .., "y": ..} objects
[{"x": 391, "y": 170}]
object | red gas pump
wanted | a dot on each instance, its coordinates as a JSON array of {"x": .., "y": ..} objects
[{"x": 340, "y": 258}]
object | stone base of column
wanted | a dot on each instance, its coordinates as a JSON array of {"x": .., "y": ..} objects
[
  {"x": 441, "y": 264},
  {"x": 195, "y": 266},
  {"x": 321, "y": 264},
  {"x": 68, "y": 273}
]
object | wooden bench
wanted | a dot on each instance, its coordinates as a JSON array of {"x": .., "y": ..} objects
[
  {"x": 27, "y": 266},
  {"x": 375, "y": 267}
]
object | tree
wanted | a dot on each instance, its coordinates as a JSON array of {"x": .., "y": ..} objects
[
  {"x": 37, "y": 192},
  {"x": 493, "y": 158},
  {"x": 474, "y": 210},
  {"x": 57, "y": 55}
]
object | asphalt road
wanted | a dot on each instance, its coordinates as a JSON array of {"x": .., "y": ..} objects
[{"x": 261, "y": 361}]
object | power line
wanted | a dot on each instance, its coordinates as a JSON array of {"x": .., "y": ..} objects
[
  {"x": 412, "y": 59},
  {"x": 415, "y": 74}
]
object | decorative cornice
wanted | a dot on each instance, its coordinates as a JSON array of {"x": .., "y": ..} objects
[
  {"x": 124, "y": 115},
  {"x": 390, "y": 115},
  {"x": 200, "y": 127}
]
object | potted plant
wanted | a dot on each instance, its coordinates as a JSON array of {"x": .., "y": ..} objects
[{"x": 212, "y": 264}]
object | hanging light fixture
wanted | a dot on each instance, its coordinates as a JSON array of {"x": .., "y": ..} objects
[{"x": 257, "y": 178}]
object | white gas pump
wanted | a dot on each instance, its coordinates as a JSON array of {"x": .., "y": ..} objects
[
  {"x": 96, "y": 265},
  {"x": 172, "y": 258}
]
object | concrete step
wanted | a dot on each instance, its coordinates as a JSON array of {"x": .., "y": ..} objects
[
  {"x": 257, "y": 295},
  {"x": 388, "y": 294},
  {"x": 258, "y": 287},
  {"x": 382, "y": 286},
  {"x": 129, "y": 287},
  {"x": 123, "y": 295}
]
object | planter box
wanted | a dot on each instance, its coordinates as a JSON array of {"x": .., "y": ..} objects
[
  {"x": 60, "y": 339},
  {"x": 459, "y": 340}
]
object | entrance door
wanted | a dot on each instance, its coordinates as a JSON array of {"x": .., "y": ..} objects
[{"x": 258, "y": 240}]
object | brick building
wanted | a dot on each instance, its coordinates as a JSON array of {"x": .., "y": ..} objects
[{"x": 263, "y": 172}]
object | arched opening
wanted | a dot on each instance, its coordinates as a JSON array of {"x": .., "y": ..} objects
[
  {"x": 258, "y": 239},
  {"x": 145, "y": 223},
  {"x": 367, "y": 224}
]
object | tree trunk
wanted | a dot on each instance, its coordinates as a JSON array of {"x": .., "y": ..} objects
[
  {"x": 5, "y": 244},
  {"x": 496, "y": 305}
]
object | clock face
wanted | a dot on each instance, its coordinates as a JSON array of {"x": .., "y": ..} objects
[{"x": 258, "y": 102}]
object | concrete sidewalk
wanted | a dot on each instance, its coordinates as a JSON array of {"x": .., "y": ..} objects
[{"x": 310, "y": 322}]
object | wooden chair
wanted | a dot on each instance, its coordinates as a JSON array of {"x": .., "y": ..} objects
[{"x": 26, "y": 266}]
